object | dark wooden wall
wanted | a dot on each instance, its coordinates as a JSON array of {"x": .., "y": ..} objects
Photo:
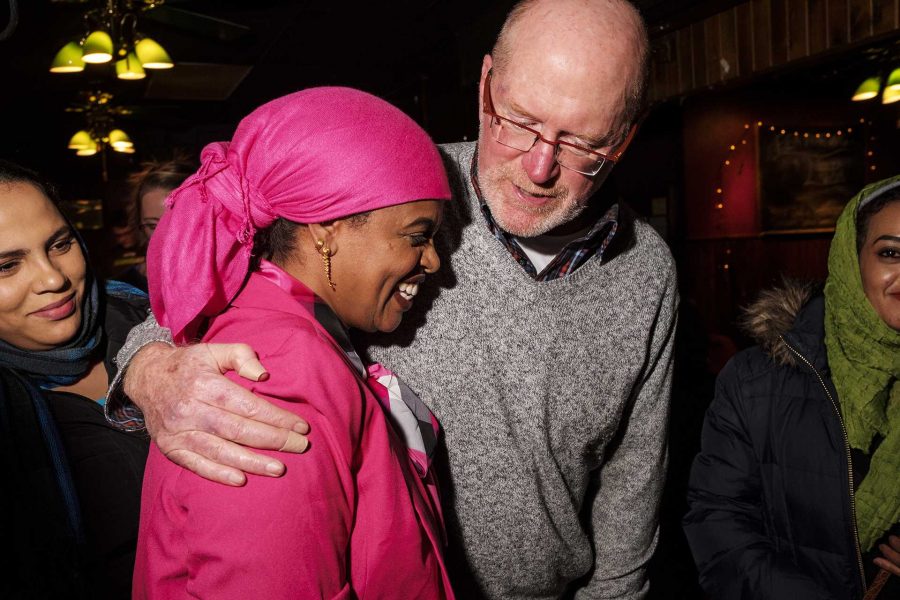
[
  {"x": 760, "y": 35},
  {"x": 706, "y": 237}
]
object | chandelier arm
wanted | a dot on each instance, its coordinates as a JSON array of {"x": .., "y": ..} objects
[{"x": 13, "y": 20}]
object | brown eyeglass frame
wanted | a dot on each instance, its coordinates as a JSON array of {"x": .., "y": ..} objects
[{"x": 487, "y": 107}]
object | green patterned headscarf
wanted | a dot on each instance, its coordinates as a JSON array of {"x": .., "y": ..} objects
[{"x": 864, "y": 357}]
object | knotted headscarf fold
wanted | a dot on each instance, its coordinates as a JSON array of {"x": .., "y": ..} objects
[
  {"x": 864, "y": 358},
  {"x": 310, "y": 157}
]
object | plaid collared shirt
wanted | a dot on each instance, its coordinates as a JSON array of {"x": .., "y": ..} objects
[{"x": 573, "y": 255}]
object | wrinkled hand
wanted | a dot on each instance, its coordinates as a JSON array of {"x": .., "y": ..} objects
[
  {"x": 203, "y": 421},
  {"x": 890, "y": 559}
]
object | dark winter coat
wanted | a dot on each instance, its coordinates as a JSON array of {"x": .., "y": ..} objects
[
  {"x": 46, "y": 558},
  {"x": 771, "y": 492}
]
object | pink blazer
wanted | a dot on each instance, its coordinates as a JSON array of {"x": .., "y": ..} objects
[{"x": 350, "y": 518}]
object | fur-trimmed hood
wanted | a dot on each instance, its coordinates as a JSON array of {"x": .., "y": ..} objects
[{"x": 773, "y": 314}]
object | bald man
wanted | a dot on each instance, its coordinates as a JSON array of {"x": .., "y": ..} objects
[{"x": 543, "y": 346}]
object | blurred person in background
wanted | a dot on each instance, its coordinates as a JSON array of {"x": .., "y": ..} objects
[{"x": 151, "y": 186}]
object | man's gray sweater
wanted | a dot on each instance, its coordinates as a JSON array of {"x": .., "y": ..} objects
[{"x": 553, "y": 397}]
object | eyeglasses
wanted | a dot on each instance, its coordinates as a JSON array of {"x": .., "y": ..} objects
[{"x": 571, "y": 156}]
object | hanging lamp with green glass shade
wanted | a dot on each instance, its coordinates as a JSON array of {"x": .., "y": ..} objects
[
  {"x": 97, "y": 48},
  {"x": 893, "y": 81},
  {"x": 81, "y": 141},
  {"x": 152, "y": 55},
  {"x": 868, "y": 89},
  {"x": 119, "y": 140},
  {"x": 890, "y": 96},
  {"x": 130, "y": 67},
  {"x": 68, "y": 59}
]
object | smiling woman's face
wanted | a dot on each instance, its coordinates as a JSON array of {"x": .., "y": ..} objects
[
  {"x": 879, "y": 264},
  {"x": 379, "y": 265},
  {"x": 42, "y": 271}
]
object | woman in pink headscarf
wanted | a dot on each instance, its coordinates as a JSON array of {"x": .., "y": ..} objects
[{"x": 319, "y": 215}]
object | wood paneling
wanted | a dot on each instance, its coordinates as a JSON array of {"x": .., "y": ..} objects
[
  {"x": 798, "y": 29},
  {"x": 713, "y": 50},
  {"x": 761, "y": 34},
  {"x": 728, "y": 44},
  {"x": 686, "y": 79},
  {"x": 860, "y": 19},
  {"x": 838, "y": 23},
  {"x": 670, "y": 67},
  {"x": 818, "y": 25},
  {"x": 779, "y": 39},
  {"x": 884, "y": 16},
  {"x": 698, "y": 42},
  {"x": 744, "y": 22},
  {"x": 653, "y": 91}
]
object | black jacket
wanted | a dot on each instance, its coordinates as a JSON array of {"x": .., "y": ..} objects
[
  {"x": 771, "y": 515},
  {"x": 46, "y": 559}
]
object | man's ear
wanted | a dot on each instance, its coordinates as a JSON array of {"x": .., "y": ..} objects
[
  {"x": 486, "y": 65},
  {"x": 326, "y": 234}
]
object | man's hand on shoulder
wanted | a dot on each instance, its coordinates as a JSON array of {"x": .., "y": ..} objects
[{"x": 203, "y": 421}]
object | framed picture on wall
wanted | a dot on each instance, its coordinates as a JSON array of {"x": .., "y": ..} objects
[{"x": 806, "y": 176}]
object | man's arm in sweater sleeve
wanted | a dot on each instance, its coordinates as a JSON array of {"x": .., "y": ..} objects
[
  {"x": 121, "y": 412},
  {"x": 624, "y": 511},
  {"x": 198, "y": 417}
]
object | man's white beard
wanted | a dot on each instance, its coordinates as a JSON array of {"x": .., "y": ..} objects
[{"x": 542, "y": 219}]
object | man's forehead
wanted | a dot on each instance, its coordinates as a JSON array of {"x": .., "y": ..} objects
[
  {"x": 577, "y": 41},
  {"x": 588, "y": 107}
]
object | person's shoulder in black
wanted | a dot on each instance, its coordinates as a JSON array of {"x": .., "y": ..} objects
[{"x": 770, "y": 513}]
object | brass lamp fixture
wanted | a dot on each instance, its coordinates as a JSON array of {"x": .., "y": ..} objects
[
  {"x": 100, "y": 132},
  {"x": 110, "y": 33}
]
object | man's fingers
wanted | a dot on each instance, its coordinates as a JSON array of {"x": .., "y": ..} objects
[
  {"x": 239, "y": 358},
  {"x": 253, "y": 370},
  {"x": 295, "y": 443},
  {"x": 273, "y": 422},
  {"x": 217, "y": 459},
  {"x": 206, "y": 468},
  {"x": 255, "y": 434},
  {"x": 203, "y": 420}
]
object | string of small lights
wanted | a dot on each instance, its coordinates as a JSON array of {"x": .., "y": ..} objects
[{"x": 804, "y": 133}]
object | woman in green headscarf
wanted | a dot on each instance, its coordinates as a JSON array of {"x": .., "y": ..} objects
[{"x": 796, "y": 491}]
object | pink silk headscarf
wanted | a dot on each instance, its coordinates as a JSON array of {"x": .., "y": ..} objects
[{"x": 312, "y": 156}]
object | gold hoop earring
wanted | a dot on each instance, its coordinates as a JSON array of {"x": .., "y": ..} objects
[{"x": 325, "y": 251}]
